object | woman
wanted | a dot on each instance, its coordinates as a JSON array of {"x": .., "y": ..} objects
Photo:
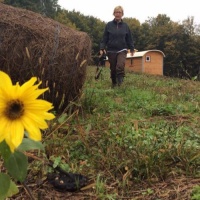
[{"x": 117, "y": 39}]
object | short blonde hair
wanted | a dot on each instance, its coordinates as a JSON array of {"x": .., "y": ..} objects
[{"x": 118, "y": 8}]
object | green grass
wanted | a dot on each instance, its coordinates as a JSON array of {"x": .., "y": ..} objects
[{"x": 144, "y": 132}]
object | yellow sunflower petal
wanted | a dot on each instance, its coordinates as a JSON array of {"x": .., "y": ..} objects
[
  {"x": 32, "y": 94},
  {"x": 32, "y": 128},
  {"x": 35, "y": 119},
  {"x": 48, "y": 116},
  {"x": 1, "y": 139},
  {"x": 6, "y": 86},
  {"x": 28, "y": 86},
  {"x": 29, "y": 83},
  {"x": 39, "y": 116},
  {"x": 12, "y": 132},
  {"x": 30, "y": 91},
  {"x": 3, "y": 127},
  {"x": 38, "y": 104},
  {"x": 7, "y": 92},
  {"x": 2, "y": 136},
  {"x": 13, "y": 92},
  {"x": 5, "y": 80},
  {"x": 34, "y": 134},
  {"x": 16, "y": 134}
]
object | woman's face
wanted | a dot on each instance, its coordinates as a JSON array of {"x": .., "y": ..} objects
[{"x": 118, "y": 14}]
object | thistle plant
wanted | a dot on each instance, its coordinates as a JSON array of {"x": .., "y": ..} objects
[{"x": 22, "y": 117}]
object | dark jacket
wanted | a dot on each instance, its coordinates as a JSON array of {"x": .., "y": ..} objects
[{"x": 117, "y": 36}]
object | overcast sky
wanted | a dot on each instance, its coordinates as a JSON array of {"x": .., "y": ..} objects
[{"x": 177, "y": 10}]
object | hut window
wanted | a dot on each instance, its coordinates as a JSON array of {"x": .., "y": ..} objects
[{"x": 148, "y": 58}]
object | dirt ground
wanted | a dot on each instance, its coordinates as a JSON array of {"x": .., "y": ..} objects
[{"x": 178, "y": 188}]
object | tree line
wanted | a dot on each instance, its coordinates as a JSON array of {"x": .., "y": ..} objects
[{"x": 179, "y": 41}]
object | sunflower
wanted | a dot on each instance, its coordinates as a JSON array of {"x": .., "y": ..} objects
[{"x": 21, "y": 111}]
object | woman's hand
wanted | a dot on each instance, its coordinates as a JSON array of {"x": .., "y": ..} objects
[{"x": 102, "y": 51}]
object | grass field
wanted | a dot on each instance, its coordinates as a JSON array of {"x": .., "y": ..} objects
[{"x": 137, "y": 141}]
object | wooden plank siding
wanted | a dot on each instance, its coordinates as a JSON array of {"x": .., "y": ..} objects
[
  {"x": 155, "y": 65},
  {"x": 134, "y": 64},
  {"x": 150, "y": 62}
]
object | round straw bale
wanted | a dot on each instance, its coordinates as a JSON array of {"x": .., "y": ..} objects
[{"x": 34, "y": 45}]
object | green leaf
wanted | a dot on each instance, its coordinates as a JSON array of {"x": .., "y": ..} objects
[
  {"x": 56, "y": 161},
  {"x": 4, "y": 150},
  {"x": 62, "y": 118},
  {"x": 12, "y": 190},
  {"x": 17, "y": 165},
  {"x": 7, "y": 187},
  {"x": 28, "y": 144},
  {"x": 4, "y": 185}
]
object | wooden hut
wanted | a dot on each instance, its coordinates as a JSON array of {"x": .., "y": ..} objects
[{"x": 149, "y": 61}]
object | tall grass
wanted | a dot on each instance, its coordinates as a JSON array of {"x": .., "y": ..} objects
[{"x": 146, "y": 130}]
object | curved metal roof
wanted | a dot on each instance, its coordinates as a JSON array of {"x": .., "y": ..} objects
[{"x": 142, "y": 53}]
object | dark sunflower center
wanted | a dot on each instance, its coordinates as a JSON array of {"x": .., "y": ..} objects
[{"x": 14, "y": 109}]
